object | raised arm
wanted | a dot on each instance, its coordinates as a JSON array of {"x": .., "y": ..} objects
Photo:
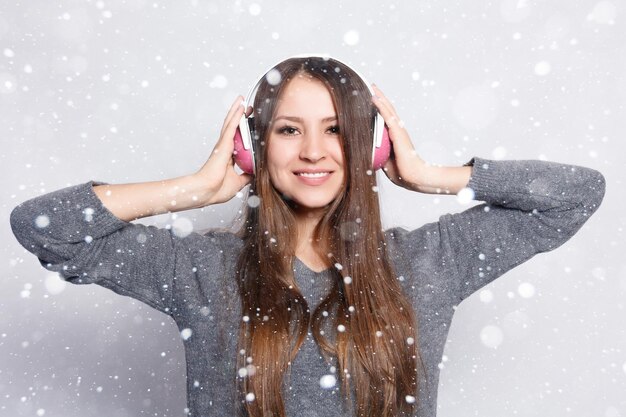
[
  {"x": 82, "y": 232},
  {"x": 215, "y": 182},
  {"x": 530, "y": 207}
]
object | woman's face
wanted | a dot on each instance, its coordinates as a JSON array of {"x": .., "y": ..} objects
[{"x": 305, "y": 158}]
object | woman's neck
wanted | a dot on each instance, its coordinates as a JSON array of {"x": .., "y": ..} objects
[{"x": 308, "y": 249}]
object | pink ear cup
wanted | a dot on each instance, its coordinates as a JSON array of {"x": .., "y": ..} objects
[
  {"x": 381, "y": 155},
  {"x": 243, "y": 156}
]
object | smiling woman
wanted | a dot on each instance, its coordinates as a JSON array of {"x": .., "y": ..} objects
[
  {"x": 305, "y": 156},
  {"x": 314, "y": 309}
]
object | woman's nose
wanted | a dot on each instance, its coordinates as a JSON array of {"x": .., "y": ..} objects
[{"x": 312, "y": 148}]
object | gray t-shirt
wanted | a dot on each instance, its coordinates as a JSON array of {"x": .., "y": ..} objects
[{"x": 531, "y": 207}]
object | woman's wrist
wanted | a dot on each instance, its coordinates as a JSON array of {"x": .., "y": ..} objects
[{"x": 432, "y": 179}]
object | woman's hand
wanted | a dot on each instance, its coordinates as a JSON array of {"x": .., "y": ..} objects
[
  {"x": 405, "y": 168},
  {"x": 404, "y": 165},
  {"x": 218, "y": 177},
  {"x": 215, "y": 182}
]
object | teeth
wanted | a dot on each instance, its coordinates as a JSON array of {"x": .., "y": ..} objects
[{"x": 313, "y": 174}]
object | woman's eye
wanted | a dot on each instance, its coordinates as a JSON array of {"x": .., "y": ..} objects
[
  {"x": 334, "y": 130},
  {"x": 288, "y": 130}
]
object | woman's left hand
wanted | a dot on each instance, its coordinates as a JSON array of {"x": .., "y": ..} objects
[{"x": 404, "y": 165}]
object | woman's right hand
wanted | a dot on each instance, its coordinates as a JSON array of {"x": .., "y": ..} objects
[{"x": 217, "y": 177}]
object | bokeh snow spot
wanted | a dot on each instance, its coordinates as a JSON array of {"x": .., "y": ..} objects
[
  {"x": 254, "y": 9},
  {"x": 526, "y": 290},
  {"x": 499, "y": 153},
  {"x": 486, "y": 296},
  {"x": 42, "y": 221},
  {"x": 182, "y": 227},
  {"x": 542, "y": 68},
  {"x": 54, "y": 283},
  {"x": 351, "y": 37},
  {"x": 273, "y": 76},
  {"x": 185, "y": 334},
  {"x": 253, "y": 201},
  {"x": 8, "y": 83},
  {"x": 491, "y": 336},
  {"x": 465, "y": 196},
  {"x": 328, "y": 381},
  {"x": 219, "y": 81}
]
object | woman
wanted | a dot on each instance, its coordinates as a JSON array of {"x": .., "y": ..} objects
[{"x": 311, "y": 309}]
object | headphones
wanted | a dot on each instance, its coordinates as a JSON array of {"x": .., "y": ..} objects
[{"x": 244, "y": 151}]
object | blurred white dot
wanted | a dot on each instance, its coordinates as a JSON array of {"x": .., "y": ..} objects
[
  {"x": 351, "y": 37},
  {"x": 28, "y": 69},
  {"x": 273, "y": 77},
  {"x": 41, "y": 412},
  {"x": 107, "y": 14},
  {"x": 182, "y": 227},
  {"x": 465, "y": 195},
  {"x": 145, "y": 83},
  {"x": 275, "y": 35},
  {"x": 254, "y": 9},
  {"x": 491, "y": 336},
  {"x": 542, "y": 68},
  {"x": 409, "y": 399},
  {"x": 517, "y": 36},
  {"x": 341, "y": 328},
  {"x": 254, "y": 201},
  {"x": 219, "y": 81},
  {"x": 481, "y": 256},
  {"x": 515, "y": 102},
  {"x": 185, "y": 334},
  {"x": 486, "y": 296},
  {"x": 603, "y": 13},
  {"x": 328, "y": 381},
  {"x": 526, "y": 290},
  {"x": 347, "y": 280},
  {"x": 410, "y": 341},
  {"x": 250, "y": 397},
  {"x": 9, "y": 53},
  {"x": 54, "y": 283},
  {"x": 42, "y": 221},
  {"x": 499, "y": 153},
  {"x": 415, "y": 75},
  {"x": 8, "y": 83}
]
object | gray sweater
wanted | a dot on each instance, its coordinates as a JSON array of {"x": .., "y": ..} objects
[{"x": 531, "y": 207}]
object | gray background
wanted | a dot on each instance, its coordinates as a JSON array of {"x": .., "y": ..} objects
[{"x": 127, "y": 91}]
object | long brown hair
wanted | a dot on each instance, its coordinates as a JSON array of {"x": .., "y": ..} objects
[{"x": 374, "y": 353}]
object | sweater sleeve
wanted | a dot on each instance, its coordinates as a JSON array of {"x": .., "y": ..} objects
[
  {"x": 74, "y": 234},
  {"x": 530, "y": 207}
]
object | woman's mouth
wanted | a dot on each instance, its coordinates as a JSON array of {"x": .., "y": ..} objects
[{"x": 313, "y": 174}]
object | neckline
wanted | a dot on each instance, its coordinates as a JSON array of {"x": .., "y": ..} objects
[{"x": 306, "y": 267}]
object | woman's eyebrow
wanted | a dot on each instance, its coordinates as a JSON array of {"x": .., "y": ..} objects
[{"x": 301, "y": 120}]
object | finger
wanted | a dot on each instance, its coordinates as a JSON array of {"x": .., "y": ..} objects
[
  {"x": 383, "y": 98},
  {"x": 225, "y": 146},
  {"x": 391, "y": 118},
  {"x": 234, "y": 109}
]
